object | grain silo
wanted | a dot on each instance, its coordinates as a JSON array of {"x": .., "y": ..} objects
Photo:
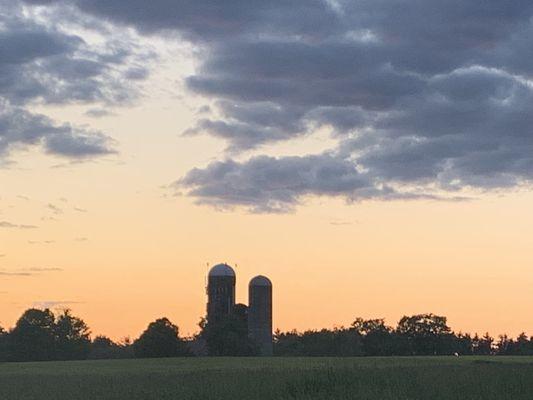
[
  {"x": 260, "y": 314},
  {"x": 220, "y": 291}
]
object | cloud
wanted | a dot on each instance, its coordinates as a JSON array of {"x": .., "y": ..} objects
[
  {"x": 98, "y": 113},
  {"x": 424, "y": 98},
  {"x": 8, "y": 273},
  {"x": 44, "y": 269},
  {"x": 213, "y": 21},
  {"x": 55, "y": 209},
  {"x": 268, "y": 184},
  {"x": 341, "y": 223},
  {"x": 42, "y": 63},
  {"x": 6, "y": 224},
  {"x": 54, "y": 303},
  {"x": 28, "y": 271},
  {"x": 18, "y": 126}
]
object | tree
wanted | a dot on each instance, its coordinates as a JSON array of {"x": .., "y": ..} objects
[
  {"x": 523, "y": 345},
  {"x": 463, "y": 344},
  {"x": 3, "y": 344},
  {"x": 427, "y": 334},
  {"x": 72, "y": 337},
  {"x": 339, "y": 342},
  {"x": 376, "y": 336},
  {"x": 160, "y": 339},
  {"x": 482, "y": 346},
  {"x": 33, "y": 338},
  {"x": 103, "y": 347},
  {"x": 228, "y": 335}
]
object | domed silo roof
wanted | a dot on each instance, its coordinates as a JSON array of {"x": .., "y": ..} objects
[
  {"x": 260, "y": 280},
  {"x": 221, "y": 270}
]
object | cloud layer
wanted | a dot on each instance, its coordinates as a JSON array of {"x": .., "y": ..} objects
[
  {"x": 424, "y": 97},
  {"x": 41, "y": 63}
]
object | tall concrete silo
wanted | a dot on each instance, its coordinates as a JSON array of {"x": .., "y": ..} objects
[
  {"x": 260, "y": 314},
  {"x": 220, "y": 291}
]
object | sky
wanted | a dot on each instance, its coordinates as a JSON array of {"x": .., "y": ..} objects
[{"x": 373, "y": 158}]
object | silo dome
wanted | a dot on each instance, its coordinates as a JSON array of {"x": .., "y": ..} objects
[
  {"x": 260, "y": 280},
  {"x": 221, "y": 270}
]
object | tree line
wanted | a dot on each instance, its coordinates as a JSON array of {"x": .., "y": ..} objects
[{"x": 42, "y": 335}]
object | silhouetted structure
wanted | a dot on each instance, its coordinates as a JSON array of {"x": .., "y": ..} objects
[
  {"x": 257, "y": 317},
  {"x": 220, "y": 292},
  {"x": 260, "y": 314}
]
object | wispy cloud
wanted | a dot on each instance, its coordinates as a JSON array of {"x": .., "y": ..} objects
[
  {"x": 43, "y": 269},
  {"x": 98, "y": 113},
  {"x": 341, "y": 223},
  {"x": 15, "y": 273},
  {"x": 6, "y": 224},
  {"x": 54, "y": 303},
  {"x": 28, "y": 271},
  {"x": 55, "y": 209}
]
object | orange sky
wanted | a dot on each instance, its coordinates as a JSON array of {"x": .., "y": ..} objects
[{"x": 135, "y": 254}]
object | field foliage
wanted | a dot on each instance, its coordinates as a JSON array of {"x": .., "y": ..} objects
[{"x": 434, "y": 378}]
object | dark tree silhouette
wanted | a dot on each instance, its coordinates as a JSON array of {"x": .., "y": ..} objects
[
  {"x": 228, "y": 335},
  {"x": 463, "y": 344},
  {"x": 377, "y": 338},
  {"x": 160, "y": 339},
  {"x": 102, "y": 347},
  {"x": 3, "y": 344},
  {"x": 427, "y": 334},
  {"x": 72, "y": 337},
  {"x": 482, "y": 346},
  {"x": 39, "y": 335},
  {"x": 338, "y": 342},
  {"x": 33, "y": 338}
]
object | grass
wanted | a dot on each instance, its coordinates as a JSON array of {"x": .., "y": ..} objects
[{"x": 434, "y": 378}]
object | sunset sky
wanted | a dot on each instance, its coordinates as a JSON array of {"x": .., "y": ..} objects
[{"x": 373, "y": 158}]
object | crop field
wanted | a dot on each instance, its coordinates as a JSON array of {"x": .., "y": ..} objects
[{"x": 434, "y": 378}]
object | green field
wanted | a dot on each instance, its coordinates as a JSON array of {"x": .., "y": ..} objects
[{"x": 432, "y": 378}]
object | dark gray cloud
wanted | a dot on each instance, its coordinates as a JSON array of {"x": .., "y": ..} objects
[
  {"x": 268, "y": 184},
  {"x": 211, "y": 20},
  {"x": 98, "y": 112},
  {"x": 39, "y": 63},
  {"x": 18, "y": 126},
  {"x": 43, "y": 64},
  {"x": 424, "y": 96}
]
